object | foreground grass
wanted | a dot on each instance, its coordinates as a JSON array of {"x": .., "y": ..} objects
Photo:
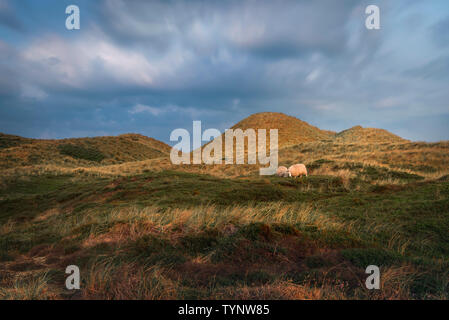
[{"x": 175, "y": 235}]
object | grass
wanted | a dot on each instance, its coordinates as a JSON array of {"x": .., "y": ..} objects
[
  {"x": 17, "y": 152},
  {"x": 80, "y": 152},
  {"x": 176, "y": 235},
  {"x": 141, "y": 228}
]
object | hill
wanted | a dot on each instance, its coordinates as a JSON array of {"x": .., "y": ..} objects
[
  {"x": 291, "y": 130},
  {"x": 8, "y": 141},
  {"x": 17, "y": 151},
  {"x": 153, "y": 230},
  {"x": 359, "y": 134}
]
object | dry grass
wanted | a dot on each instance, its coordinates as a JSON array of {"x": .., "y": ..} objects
[
  {"x": 358, "y": 134},
  {"x": 345, "y": 174},
  {"x": 285, "y": 290},
  {"x": 111, "y": 276},
  {"x": 120, "y": 149},
  {"x": 105, "y": 230},
  {"x": 298, "y": 142},
  {"x": 427, "y": 160},
  {"x": 198, "y": 218},
  {"x": 109, "y": 280},
  {"x": 27, "y": 286},
  {"x": 8, "y": 227}
]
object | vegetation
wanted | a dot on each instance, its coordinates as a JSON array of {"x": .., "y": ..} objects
[
  {"x": 85, "y": 152},
  {"x": 80, "y": 152},
  {"x": 151, "y": 230},
  {"x": 8, "y": 141},
  {"x": 183, "y": 235}
]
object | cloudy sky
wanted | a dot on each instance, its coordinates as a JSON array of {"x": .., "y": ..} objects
[{"x": 153, "y": 66}]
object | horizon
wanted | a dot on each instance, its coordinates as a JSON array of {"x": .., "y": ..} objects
[
  {"x": 171, "y": 143},
  {"x": 149, "y": 68}
]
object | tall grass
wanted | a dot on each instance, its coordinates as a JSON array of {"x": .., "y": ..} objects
[{"x": 27, "y": 287}]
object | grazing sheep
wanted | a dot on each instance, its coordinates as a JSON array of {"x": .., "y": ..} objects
[
  {"x": 282, "y": 172},
  {"x": 297, "y": 170}
]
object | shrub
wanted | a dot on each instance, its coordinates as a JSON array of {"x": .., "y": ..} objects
[
  {"x": 80, "y": 152},
  {"x": 370, "y": 256}
]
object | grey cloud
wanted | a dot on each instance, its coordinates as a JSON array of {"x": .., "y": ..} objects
[
  {"x": 8, "y": 17},
  {"x": 219, "y": 61},
  {"x": 264, "y": 27}
]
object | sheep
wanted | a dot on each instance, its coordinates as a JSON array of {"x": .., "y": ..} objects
[
  {"x": 297, "y": 170},
  {"x": 282, "y": 172}
]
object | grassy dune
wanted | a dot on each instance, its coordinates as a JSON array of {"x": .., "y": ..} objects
[
  {"x": 87, "y": 152},
  {"x": 182, "y": 235},
  {"x": 140, "y": 227}
]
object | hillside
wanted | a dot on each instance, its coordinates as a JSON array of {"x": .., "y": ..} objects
[
  {"x": 17, "y": 151},
  {"x": 291, "y": 130},
  {"x": 133, "y": 154},
  {"x": 148, "y": 229},
  {"x": 8, "y": 141},
  {"x": 359, "y": 134}
]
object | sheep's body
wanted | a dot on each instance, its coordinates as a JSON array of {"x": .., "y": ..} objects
[
  {"x": 297, "y": 170},
  {"x": 282, "y": 172}
]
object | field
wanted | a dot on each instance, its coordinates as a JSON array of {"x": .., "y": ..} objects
[{"x": 147, "y": 229}]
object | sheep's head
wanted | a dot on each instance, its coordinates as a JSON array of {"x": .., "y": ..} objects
[{"x": 289, "y": 174}]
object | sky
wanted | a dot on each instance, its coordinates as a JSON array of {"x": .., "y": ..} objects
[{"x": 150, "y": 67}]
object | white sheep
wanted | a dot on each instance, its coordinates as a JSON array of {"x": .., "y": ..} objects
[
  {"x": 297, "y": 170},
  {"x": 282, "y": 172}
]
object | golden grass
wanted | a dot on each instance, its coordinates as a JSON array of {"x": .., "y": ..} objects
[
  {"x": 395, "y": 283},
  {"x": 291, "y": 130},
  {"x": 120, "y": 149},
  {"x": 299, "y": 142},
  {"x": 284, "y": 290},
  {"x": 109, "y": 280},
  {"x": 110, "y": 277},
  {"x": 345, "y": 174},
  {"x": 358, "y": 134},
  {"x": 127, "y": 281},
  {"x": 210, "y": 216},
  {"x": 27, "y": 286},
  {"x": 428, "y": 160}
]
